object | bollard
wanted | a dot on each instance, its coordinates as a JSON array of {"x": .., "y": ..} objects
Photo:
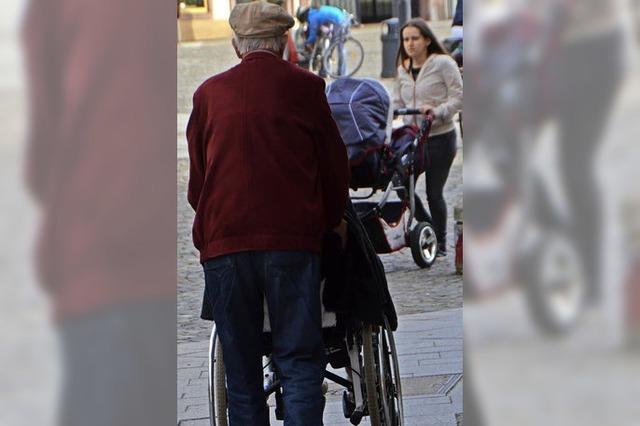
[
  {"x": 390, "y": 38},
  {"x": 457, "y": 216}
]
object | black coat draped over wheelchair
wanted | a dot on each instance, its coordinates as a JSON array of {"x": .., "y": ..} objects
[{"x": 355, "y": 283}]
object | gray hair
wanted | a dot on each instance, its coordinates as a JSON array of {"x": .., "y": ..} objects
[{"x": 249, "y": 44}]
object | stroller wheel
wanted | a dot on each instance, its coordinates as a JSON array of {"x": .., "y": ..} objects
[{"x": 424, "y": 244}]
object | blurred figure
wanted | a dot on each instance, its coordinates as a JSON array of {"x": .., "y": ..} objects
[
  {"x": 102, "y": 103},
  {"x": 454, "y": 43},
  {"x": 530, "y": 91},
  {"x": 290, "y": 52},
  {"x": 458, "y": 18},
  {"x": 581, "y": 107},
  {"x": 544, "y": 182}
]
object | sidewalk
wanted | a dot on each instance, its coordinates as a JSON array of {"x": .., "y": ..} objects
[{"x": 429, "y": 348}]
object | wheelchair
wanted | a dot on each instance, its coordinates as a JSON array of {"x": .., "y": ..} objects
[{"x": 366, "y": 352}]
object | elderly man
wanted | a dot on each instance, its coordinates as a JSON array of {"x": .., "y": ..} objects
[{"x": 268, "y": 176}]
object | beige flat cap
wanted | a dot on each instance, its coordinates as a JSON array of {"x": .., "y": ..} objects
[{"x": 259, "y": 19}]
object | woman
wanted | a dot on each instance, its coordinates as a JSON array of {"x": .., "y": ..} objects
[{"x": 429, "y": 79}]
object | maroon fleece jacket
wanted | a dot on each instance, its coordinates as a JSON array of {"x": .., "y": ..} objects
[{"x": 268, "y": 168}]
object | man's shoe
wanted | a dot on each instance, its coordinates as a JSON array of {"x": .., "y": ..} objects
[{"x": 442, "y": 252}]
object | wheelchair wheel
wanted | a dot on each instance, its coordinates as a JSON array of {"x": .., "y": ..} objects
[
  {"x": 424, "y": 244},
  {"x": 381, "y": 377},
  {"x": 390, "y": 377},
  {"x": 353, "y": 58},
  {"x": 371, "y": 378},
  {"x": 218, "y": 406}
]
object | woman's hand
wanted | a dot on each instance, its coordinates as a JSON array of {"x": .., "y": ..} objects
[{"x": 423, "y": 109}]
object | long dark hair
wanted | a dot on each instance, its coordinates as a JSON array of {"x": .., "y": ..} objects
[{"x": 435, "y": 47}]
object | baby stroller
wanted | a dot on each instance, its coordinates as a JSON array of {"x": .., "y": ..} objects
[
  {"x": 358, "y": 323},
  {"x": 360, "y": 108}
]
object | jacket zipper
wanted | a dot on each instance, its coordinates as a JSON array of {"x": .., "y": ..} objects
[{"x": 415, "y": 117}]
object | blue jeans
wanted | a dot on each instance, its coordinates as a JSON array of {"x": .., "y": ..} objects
[
  {"x": 339, "y": 33},
  {"x": 236, "y": 286}
]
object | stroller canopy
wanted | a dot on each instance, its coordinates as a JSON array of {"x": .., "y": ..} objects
[{"x": 360, "y": 108}]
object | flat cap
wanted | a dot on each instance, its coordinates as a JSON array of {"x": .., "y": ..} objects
[{"x": 259, "y": 19}]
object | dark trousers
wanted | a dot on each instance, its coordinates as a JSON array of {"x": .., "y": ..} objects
[
  {"x": 440, "y": 152},
  {"x": 583, "y": 105},
  {"x": 236, "y": 286}
]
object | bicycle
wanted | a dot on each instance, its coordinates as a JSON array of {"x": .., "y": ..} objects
[{"x": 326, "y": 58}]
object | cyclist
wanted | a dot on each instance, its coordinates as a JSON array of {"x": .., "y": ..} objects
[{"x": 326, "y": 15}]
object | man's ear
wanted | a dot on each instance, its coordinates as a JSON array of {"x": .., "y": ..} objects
[
  {"x": 235, "y": 47},
  {"x": 284, "y": 40}
]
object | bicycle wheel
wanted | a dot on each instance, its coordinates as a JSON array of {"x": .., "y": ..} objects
[
  {"x": 218, "y": 406},
  {"x": 350, "y": 62}
]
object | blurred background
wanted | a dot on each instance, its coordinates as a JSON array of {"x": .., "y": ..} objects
[{"x": 552, "y": 306}]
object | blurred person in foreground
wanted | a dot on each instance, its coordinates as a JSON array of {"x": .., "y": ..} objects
[
  {"x": 101, "y": 116},
  {"x": 555, "y": 65},
  {"x": 429, "y": 79},
  {"x": 588, "y": 71},
  {"x": 268, "y": 176}
]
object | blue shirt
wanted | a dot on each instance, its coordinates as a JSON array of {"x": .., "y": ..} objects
[{"x": 323, "y": 15}]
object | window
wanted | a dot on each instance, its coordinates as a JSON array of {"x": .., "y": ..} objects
[{"x": 192, "y": 7}]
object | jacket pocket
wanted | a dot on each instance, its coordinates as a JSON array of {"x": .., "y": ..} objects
[{"x": 219, "y": 275}]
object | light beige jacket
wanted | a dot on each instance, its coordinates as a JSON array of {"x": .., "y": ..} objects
[{"x": 438, "y": 84}]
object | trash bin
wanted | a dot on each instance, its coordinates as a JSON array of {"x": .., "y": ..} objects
[{"x": 390, "y": 41}]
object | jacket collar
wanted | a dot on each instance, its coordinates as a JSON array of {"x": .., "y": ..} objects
[
  {"x": 257, "y": 54},
  {"x": 428, "y": 63}
]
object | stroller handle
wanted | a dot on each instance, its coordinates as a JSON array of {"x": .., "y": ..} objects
[
  {"x": 412, "y": 111},
  {"x": 406, "y": 111}
]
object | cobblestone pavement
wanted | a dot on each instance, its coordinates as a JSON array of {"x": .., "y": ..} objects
[{"x": 414, "y": 290}]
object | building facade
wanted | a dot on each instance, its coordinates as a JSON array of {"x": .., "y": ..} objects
[{"x": 207, "y": 19}]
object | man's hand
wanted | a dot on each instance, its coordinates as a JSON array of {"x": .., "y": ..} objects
[
  {"x": 341, "y": 230},
  {"x": 308, "y": 47}
]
